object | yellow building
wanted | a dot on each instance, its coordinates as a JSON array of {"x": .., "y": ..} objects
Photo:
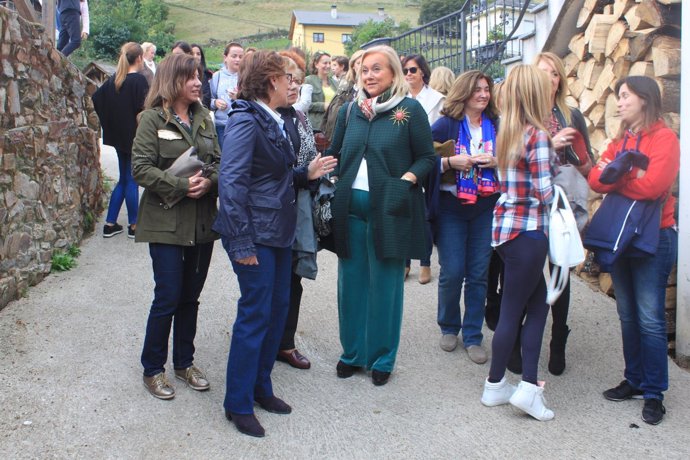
[{"x": 327, "y": 30}]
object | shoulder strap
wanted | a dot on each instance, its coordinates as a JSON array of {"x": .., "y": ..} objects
[
  {"x": 302, "y": 119},
  {"x": 560, "y": 117},
  {"x": 349, "y": 109}
]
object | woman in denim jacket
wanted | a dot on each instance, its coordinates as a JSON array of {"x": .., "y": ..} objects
[{"x": 256, "y": 220}]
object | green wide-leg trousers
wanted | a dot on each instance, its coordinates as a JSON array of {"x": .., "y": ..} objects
[{"x": 370, "y": 295}]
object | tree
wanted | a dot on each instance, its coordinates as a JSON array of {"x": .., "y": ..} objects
[
  {"x": 368, "y": 31},
  {"x": 434, "y": 9},
  {"x": 115, "y": 22}
]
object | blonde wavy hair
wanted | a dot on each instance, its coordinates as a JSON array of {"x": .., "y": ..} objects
[
  {"x": 442, "y": 79},
  {"x": 399, "y": 86},
  {"x": 563, "y": 91},
  {"x": 525, "y": 100}
]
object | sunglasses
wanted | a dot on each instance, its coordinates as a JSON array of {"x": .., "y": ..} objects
[{"x": 412, "y": 70}]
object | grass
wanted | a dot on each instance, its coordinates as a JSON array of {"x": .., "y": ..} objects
[
  {"x": 225, "y": 20},
  {"x": 65, "y": 260},
  {"x": 214, "y": 54}
]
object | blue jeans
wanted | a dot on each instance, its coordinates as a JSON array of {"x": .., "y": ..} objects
[
  {"x": 69, "y": 38},
  {"x": 179, "y": 273},
  {"x": 220, "y": 130},
  {"x": 464, "y": 252},
  {"x": 126, "y": 190},
  {"x": 261, "y": 312},
  {"x": 640, "y": 287}
]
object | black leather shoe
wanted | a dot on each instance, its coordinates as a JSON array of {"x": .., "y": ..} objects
[
  {"x": 294, "y": 358},
  {"x": 273, "y": 405},
  {"x": 345, "y": 370},
  {"x": 379, "y": 378},
  {"x": 246, "y": 424}
]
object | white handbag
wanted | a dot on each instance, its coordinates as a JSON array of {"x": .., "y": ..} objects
[{"x": 565, "y": 245}]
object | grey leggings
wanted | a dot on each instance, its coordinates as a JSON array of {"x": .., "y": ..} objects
[{"x": 524, "y": 292}]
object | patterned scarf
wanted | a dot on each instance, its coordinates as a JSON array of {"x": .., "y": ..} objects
[
  {"x": 372, "y": 106},
  {"x": 477, "y": 181}
]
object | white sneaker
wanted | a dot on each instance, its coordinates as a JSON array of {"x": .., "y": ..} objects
[
  {"x": 530, "y": 398},
  {"x": 496, "y": 394}
]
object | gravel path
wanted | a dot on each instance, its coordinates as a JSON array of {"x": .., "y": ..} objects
[{"x": 71, "y": 379}]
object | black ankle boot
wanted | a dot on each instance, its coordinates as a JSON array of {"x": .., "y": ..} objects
[{"x": 557, "y": 347}]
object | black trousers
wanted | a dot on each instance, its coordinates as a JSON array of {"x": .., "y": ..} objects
[
  {"x": 559, "y": 310},
  {"x": 288, "y": 340}
]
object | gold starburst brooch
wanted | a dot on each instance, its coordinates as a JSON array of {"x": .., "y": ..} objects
[{"x": 400, "y": 116}]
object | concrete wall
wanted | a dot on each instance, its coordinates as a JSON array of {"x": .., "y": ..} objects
[
  {"x": 683, "y": 305},
  {"x": 50, "y": 179}
]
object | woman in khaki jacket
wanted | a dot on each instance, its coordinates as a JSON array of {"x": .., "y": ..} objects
[{"x": 175, "y": 218}]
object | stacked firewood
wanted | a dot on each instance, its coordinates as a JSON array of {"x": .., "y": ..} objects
[{"x": 621, "y": 38}]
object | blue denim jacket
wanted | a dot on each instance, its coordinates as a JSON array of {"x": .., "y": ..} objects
[{"x": 255, "y": 185}]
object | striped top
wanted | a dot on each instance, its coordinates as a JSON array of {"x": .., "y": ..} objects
[{"x": 526, "y": 190}]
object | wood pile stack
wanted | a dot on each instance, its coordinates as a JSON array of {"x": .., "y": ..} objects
[{"x": 621, "y": 38}]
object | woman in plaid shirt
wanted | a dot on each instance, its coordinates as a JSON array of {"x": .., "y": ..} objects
[{"x": 520, "y": 235}]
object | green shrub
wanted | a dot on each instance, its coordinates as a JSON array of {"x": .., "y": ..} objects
[
  {"x": 65, "y": 260},
  {"x": 61, "y": 262}
]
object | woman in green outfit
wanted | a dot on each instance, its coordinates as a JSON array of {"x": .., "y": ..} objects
[
  {"x": 324, "y": 88},
  {"x": 385, "y": 149}
]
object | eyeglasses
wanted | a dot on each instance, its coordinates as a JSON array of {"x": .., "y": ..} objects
[
  {"x": 289, "y": 77},
  {"x": 412, "y": 70}
]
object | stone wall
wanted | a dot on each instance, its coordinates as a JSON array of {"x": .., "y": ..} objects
[{"x": 50, "y": 177}]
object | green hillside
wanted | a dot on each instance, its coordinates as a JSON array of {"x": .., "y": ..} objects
[{"x": 223, "y": 20}]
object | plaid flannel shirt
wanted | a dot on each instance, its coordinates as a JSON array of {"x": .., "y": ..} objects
[{"x": 526, "y": 190}]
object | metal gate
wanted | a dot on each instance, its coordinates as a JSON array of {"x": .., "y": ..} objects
[{"x": 480, "y": 35}]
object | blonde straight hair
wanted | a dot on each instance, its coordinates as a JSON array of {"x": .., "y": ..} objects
[
  {"x": 525, "y": 100},
  {"x": 128, "y": 56},
  {"x": 351, "y": 74},
  {"x": 563, "y": 90},
  {"x": 399, "y": 86}
]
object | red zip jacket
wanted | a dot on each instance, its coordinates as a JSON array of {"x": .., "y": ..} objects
[{"x": 661, "y": 145}]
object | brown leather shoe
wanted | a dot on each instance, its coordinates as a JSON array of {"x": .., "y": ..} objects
[
  {"x": 424, "y": 275},
  {"x": 159, "y": 386},
  {"x": 294, "y": 358},
  {"x": 193, "y": 377}
]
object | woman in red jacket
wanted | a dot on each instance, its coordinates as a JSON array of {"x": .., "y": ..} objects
[{"x": 640, "y": 282}]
